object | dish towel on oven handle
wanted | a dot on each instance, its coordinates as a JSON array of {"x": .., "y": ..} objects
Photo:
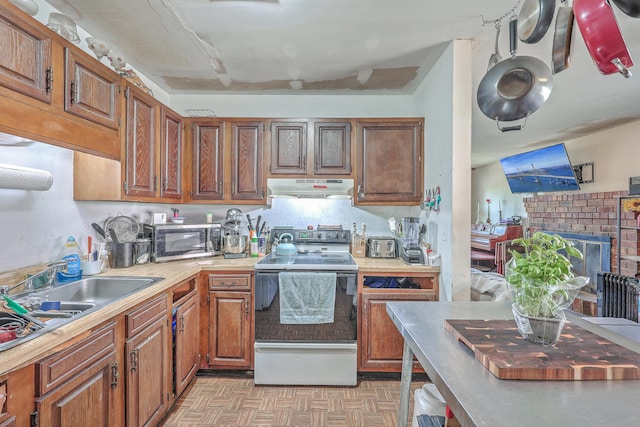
[{"x": 307, "y": 298}]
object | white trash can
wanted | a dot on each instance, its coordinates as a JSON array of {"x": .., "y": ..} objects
[{"x": 429, "y": 401}]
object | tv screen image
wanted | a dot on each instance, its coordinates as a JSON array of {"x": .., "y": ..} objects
[{"x": 539, "y": 171}]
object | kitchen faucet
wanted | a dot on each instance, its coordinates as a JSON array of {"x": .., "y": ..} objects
[{"x": 52, "y": 270}]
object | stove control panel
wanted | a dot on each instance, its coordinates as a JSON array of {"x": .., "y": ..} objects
[
  {"x": 306, "y": 236},
  {"x": 315, "y": 236}
]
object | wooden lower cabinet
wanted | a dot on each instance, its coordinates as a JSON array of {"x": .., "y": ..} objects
[
  {"x": 148, "y": 363},
  {"x": 230, "y": 341},
  {"x": 80, "y": 386},
  {"x": 186, "y": 350},
  {"x": 380, "y": 344}
]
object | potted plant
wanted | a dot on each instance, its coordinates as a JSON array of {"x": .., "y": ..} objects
[{"x": 542, "y": 285}]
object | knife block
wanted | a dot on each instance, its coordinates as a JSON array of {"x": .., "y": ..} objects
[{"x": 358, "y": 250}]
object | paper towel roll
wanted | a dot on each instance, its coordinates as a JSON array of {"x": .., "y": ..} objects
[{"x": 22, "y": 178}]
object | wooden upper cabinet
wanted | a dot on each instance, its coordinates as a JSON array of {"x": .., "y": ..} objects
[
  {"x": 140, "y": 143},
  {"x": 288, "y": 148},
  {"x": 91, "y": 89},
  {"x": 171, "y": 154},
  {"x": 25, "y": 56},
  {"x": 389, "y": 157},
  {"x": 332, "y": 148},
  {"x": 207, "y": 160},
  {"x": 247, "y": 176}
]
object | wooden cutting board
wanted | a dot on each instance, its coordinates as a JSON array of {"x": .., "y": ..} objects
[{"x": 578, "y": 354}]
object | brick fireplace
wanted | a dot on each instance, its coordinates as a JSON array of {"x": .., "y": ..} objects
[
  {"x": 587, "y": 214},
  {"x": 584, "y": 215}
]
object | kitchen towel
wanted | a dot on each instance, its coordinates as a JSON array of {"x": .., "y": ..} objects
[{"x": 307, "y": 298}]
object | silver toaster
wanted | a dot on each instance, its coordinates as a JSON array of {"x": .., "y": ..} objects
[{"x": 381, "y": 247}]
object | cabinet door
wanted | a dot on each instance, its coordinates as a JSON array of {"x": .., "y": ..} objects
[
  {"x": 25, "y": 57},
  {"x": 87, "y": 400},
  {"x": 91, "y": 90},
  {"x": 207, "y": 164},
  {"x": 332, "y": 148},
  {"x": 247, "y": 178},
  {"x": 288, "y": 148},
  {"x": 171, "y": 155},
  {"x": 148, "y": 366},
  {"x": 230, "y": 332},
  {"x": 140, "y": 144},
  {"x": 389, "y": 161},
  {"x": 187, "y": 355},
  {"x": 381, "y": 344}
]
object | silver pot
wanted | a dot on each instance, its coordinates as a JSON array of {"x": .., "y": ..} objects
[
  {"x": 515, "y": 87},
  {"x": 122, "y": 254}
]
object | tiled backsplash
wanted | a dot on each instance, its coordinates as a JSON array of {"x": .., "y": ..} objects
[{"x": 586, "y": 214}]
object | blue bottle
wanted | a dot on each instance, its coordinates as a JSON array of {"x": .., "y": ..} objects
[{"x": 71, "y": 253}]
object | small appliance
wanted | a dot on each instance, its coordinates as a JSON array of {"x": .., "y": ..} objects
[
  {"x": 408, "y": 241},
  {"x": 234, "y": 242},
  {"x": 381, "y": 247},
  {"x": 183, "y": 241}
]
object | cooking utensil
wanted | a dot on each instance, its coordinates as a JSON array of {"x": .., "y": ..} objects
[
  {"x": 250, "y": 223},
  {"x": 601, "y": 34},
  {"x": 629, "y": 7},
  {"x": 22, "y": 311},
  {"x": 258, "y": 224},
  {"x": 114, "y": 236},
  {"x": 126, "y": 228},
  {"x": 99, "y": 230},
  {"x": 562, "y": 38},
  {"x": 495, "y": 56},
  {"x": 286, "y": 248},
  {"x": 534, "y": 19},
  {"x": 515, "y": 88}
]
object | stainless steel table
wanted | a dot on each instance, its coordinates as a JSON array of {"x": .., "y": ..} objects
[{"x": 478, "y": 398}]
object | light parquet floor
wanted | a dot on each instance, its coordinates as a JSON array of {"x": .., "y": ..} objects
[{"x": 229, "y": 401}]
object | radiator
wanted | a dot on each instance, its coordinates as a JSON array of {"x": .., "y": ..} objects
[{"x": 618, "y": 296}]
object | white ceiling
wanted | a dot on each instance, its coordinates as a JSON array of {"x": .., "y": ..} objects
[{"x": 353, "y": 46}]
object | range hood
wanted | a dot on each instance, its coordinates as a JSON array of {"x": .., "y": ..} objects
[{"x": 310, "y": 188}]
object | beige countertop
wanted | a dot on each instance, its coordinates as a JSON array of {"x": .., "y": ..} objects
[{"x": 173, "y": 273}]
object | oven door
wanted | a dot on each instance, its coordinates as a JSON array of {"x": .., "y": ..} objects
[
  {"x": 305, "y": 353},
  {"x": 268, "y": 324}
]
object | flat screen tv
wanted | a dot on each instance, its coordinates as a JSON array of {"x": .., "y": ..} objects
[{"x": 540, "y": 171}]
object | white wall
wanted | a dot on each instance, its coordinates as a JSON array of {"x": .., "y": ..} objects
[
  {"x": 615, "y": 155},
  {"x": 445, "y": 97}
]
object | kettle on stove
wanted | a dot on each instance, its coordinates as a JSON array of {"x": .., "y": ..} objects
[{"x": 286, "y": 249}]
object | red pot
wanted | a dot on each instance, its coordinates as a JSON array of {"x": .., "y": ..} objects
[{"x": 602, "y": 36}]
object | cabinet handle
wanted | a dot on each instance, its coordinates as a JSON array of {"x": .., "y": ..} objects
[
  {"x": 74, "y": 92},
  {"x": 182, "y": 324},
  {"x": 360, "y": 192},
  {"x": 134, "y": 360},
  {"x": 49, "y": 80},
  {"x": 246, "y": 309},
  {"x": 164, "y": 184},
  {"x": 114, "y": 375}
]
